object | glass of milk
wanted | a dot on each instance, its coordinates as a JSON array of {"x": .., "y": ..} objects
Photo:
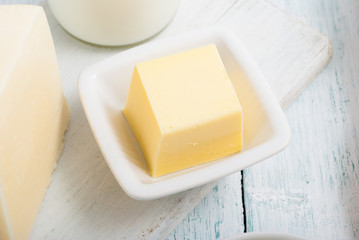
[{"x": 113, "y": 22}]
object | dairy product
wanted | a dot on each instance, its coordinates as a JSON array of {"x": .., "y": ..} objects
[
  {"x": 183, "y": 110},
  {"x": 113, "y": 22},
  {"x": 33, "y": 116}
]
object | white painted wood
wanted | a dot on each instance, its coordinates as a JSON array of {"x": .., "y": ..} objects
[
  {"x": 312, "y": 188},
  {"x": 84, "y": 200}
]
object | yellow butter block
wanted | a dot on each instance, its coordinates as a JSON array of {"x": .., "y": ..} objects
[
  {"x": 183, "y": 110},
  {"x": 33, "y": 116}
]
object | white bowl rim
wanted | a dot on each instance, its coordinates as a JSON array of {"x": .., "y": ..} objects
[{"x": 148, "y": 191}]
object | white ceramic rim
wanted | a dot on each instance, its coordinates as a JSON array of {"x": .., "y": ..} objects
[
  {"x": 266, "y": 236},
  {"x": 179, "y": 183}
]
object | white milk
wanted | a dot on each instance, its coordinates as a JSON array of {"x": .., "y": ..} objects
[{"x": 113, "y": 22}]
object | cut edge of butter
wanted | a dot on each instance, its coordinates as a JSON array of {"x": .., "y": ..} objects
[
  {"x": 153, "y": 92},
  {"x": 41, "y": 83}
]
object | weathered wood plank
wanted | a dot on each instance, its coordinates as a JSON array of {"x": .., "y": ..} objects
[
  {"x": 219, "y": 215},
  {"x": 312, "y": 188}
]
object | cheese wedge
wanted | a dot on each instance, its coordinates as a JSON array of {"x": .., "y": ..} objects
[
  {"x": 183, "y": 110},
  {"x": 33, "y": 116}
]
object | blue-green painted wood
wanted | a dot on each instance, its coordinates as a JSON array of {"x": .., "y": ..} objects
[
  {"x": 312, "y": 188},
  {"x": 211, "y": 219}
]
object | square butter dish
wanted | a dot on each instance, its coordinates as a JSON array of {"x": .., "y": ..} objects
[{"x": 103, "y": 90}]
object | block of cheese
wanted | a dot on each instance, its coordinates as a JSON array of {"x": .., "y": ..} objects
[
  {"x": 183, "y": 110},
  {"x": 33, "y": 116}
]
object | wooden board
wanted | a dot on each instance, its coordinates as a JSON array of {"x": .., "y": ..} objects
[{"x": 84, "y": 200}]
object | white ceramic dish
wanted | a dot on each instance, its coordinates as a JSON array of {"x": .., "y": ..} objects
[
  {"x": 103, "y": 89},
  {"x": 266, "y": 236}
]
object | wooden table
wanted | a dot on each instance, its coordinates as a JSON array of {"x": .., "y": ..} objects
[{"x": 312, "y": 188}]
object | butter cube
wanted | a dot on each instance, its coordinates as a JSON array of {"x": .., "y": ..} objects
[
  {"x": 183, "y": 110},
  {"x": 33, "y": 116}
]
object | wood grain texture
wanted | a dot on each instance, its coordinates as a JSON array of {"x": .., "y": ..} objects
[
  {"x": 219, "y": 215},
  {"x": 312, "y": 188},
  {"x": 84, "y": 200}
]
